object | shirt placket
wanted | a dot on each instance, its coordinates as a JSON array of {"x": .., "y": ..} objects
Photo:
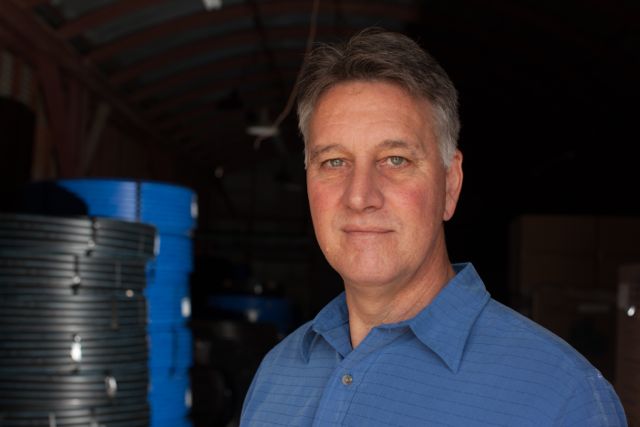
[{"x": 348, "y": 375}]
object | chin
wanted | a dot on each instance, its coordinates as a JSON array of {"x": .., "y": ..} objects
[
  {"x": 366, "y": 275},
  {"x": 375, "y": 264}
]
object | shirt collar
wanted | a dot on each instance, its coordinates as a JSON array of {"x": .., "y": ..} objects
[
  {"x": 331, "y": 323},
  {"x": 443, "y": 326}
]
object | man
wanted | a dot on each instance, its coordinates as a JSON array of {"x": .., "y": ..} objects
[{"x": 413, "y": 340}]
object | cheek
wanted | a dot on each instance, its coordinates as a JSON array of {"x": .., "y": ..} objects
[
  {"x": 419, "y": 205},
  {"x": 412, "y": 199},
  {"x": 321, "y": 215},
  {"x": 320, "y": 204},
  {"x": 316, "y": 197}
]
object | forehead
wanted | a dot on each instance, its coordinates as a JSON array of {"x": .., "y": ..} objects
[
  {"x": 357, "y": 89},
  {"x": 369, "y": 109}
]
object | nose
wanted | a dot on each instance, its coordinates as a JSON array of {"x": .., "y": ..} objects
[{"x": 363, "y": 191}]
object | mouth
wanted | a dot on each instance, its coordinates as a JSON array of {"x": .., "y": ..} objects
[{"x": 366, "y": 230}]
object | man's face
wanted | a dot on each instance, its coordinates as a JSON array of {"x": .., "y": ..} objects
[{"x": 378, "y": 189}]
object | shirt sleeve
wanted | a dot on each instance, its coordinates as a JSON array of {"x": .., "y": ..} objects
[{"x": 594, "y": 403}]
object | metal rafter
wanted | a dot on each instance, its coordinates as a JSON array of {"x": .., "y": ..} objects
[
  {"x": 103, "y": 15},
  {"x": 167, "y": 28},
  {"x": 38, "y": 42},
  {"x": 210, "y": 44},
  {"x": 192, "y": 74},
  {"x": 173, "y": 103},
  {"x": 34, "y": 3},
  {"x": 233, "y": 12},
  {"x": 215, "y": 85},
  {"x": 264, "y": 36},
  {"x": 180, "y": 53}
]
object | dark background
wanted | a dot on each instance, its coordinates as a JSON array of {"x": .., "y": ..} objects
[
  {"x": 548, "y": 100},
  {"x": 548, "y": 106}
]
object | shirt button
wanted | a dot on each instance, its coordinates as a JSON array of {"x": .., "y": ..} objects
[{"x": 347, "y": 379}]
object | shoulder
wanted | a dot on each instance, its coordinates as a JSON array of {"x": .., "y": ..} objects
[
  {"x": 289, "y": 348},
  {"x": 505, "y": 324},
  {"x": 553, "y": 370},
  {"x": 508, "y": 334},
  {"x": 275, "y": 390}
]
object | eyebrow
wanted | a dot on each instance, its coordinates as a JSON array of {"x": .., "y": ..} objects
[
  {"x": 385, "y": 145},
  {"x": 315, "y": 152},
  {"x": 414, "y": 150},
  {"x": 396, "y": 143}
]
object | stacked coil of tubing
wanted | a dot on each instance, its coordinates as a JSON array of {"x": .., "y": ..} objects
[
  {"x": 73, "y": 339},
  {"x": 173, "y": 211}
]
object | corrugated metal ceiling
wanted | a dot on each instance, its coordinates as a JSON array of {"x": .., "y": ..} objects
[{"x": 193, "y": 72}]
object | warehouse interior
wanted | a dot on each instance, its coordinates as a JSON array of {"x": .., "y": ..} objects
[{"x": 199, "y": 94}]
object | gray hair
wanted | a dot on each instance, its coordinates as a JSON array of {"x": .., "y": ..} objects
[{"x": 378, "y": 55}]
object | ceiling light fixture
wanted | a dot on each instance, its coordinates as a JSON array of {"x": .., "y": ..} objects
[
  {"x": 263, "y": 131},
  {"x": 212, "y": 4},
  {"x": 272, "y": 130}
]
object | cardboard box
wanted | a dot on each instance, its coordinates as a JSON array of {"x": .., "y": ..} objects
[
  {"x": 619, "y": 234},
  {"x": 570, "y": 251},
  {"x": 567, "y": 270},
  {"x": 627, "y": 382},
  {"x": 584, "y": 318}
]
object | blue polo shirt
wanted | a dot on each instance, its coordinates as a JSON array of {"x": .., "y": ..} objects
[{"x": 464, "y": 360}]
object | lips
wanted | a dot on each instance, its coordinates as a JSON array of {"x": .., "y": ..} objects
[{"x": 366, "y": 230}]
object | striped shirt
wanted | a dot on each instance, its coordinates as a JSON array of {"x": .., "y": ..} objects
[{"x": 464, "y": 360}]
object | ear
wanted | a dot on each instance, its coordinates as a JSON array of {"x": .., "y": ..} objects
[{"x": 453, "y": 185}]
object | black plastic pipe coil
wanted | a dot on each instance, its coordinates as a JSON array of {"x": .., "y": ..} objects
[{"x": 73, "y": 333}]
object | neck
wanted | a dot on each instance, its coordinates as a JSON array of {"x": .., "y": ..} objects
[{"x": 371, "y": 306}]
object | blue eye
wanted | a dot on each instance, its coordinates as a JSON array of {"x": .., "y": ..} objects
[
  {"x": 396, "y": 160},
  {"x": 334, "y": 163}
]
